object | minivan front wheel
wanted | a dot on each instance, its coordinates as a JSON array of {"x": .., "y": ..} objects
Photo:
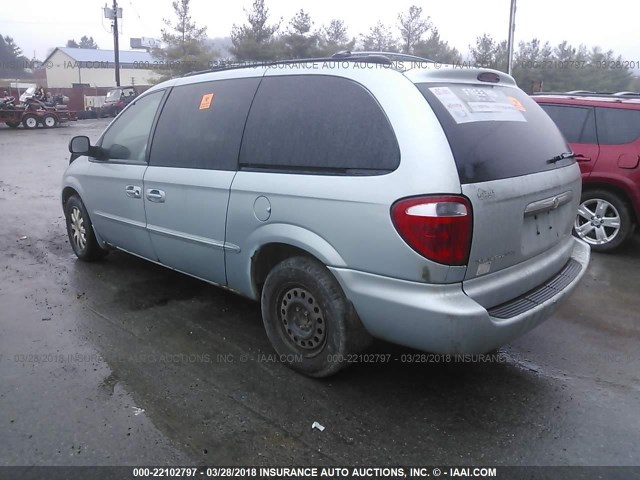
[
  {"x": 603, "y": 220},
  {"x": 80, "y": 231},
  {"x": 310, "y": 323}
]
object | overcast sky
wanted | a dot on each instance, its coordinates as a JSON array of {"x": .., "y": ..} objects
[{"x": 40, "y": 25}]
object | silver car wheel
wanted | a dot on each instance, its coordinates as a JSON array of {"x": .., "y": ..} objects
[
  {"x": 302, "y": 319},
  {"x": 77, "y": 229},
  {"x": 597, "y": 222}
]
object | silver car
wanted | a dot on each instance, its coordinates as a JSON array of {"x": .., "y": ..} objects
[{"x": 353, "y": 197}]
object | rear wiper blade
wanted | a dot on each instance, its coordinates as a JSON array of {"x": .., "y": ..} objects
[{"x": 562, "y": 156}]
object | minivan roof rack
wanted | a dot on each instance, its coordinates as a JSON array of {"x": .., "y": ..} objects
[
  {"x": 239, "y": 65},
  {"x": 392, "y": 56},
  {"x": 382, "y": 58}
]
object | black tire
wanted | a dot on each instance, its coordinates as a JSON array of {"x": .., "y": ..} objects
[
  {"x": 80, "y": 231},
  {"x": 13, "y": 124},
  {"x": 30, "y": 121},
  {"x": 49, "y": 121},
  {"x": 596, "y": 220},
  {"x": 309, "y": 321}
]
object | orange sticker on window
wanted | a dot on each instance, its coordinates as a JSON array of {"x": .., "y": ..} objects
[
  {"x": 207, "y": 100},
  {"x": 517, "y": 104}
]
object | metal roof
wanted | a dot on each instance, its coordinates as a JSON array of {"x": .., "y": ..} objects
[{"x": 97, "y": 55}]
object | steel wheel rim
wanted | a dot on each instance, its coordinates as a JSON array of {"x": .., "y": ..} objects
[
  {"x": 31, "y": 122},
  {"x": 78, "y": 232},
  {"x": 49, "y": 122},
  {"x": 597, "y": 222},
  {"x": 301, "y": 319}
]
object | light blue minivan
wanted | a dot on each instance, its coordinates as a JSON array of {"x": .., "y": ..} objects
[{"x": 354, "y": 197}]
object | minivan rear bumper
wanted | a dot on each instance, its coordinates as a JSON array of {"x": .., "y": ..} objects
[{"x": 443, "y": 319}]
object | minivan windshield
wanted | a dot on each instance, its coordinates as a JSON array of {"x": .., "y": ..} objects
[{"x": 495, "y": 132}]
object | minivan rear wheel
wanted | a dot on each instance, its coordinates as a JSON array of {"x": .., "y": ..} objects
[
  {"x": 604, "y": 220},
  {"x": 309, "y": 321},
  {"x": 80, "y": 231}
]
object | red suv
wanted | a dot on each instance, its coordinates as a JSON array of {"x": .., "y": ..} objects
[{"x": 604, "y": 132}]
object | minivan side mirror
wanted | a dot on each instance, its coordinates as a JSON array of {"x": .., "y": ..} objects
[{"x": 80, "y": 145}]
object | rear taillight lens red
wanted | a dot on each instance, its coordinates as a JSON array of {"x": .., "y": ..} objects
[{"x": 438, "y": 228}]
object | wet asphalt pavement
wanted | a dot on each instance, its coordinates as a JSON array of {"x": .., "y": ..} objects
[{"x": 122, "y": 362}]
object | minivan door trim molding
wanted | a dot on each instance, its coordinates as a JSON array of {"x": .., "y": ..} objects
[
  {"x": 116, "y": 218},
  {"x": 219, "y": 244}
]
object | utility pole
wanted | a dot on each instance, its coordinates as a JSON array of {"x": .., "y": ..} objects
[
  {"x": 512, "y": 28},
  {"x": 116, "y": 48},
  {"x": 113, "y": 14}
]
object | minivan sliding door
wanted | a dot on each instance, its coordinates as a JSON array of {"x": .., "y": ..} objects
[{"x": 193, "y": 161}]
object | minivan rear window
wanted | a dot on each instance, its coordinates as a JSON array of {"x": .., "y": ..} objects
[{"x": 495, "y": 132}]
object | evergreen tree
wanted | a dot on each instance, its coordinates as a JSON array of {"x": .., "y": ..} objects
[
  {"x": 185, "y": 48},
  {"x": 256, "y": 40},
  {"x": 566, "y": 68},
  {"x": 11, "y": 46},
  {"x": 379, "y": 39},
  {"x": 299, "y": 41},
  {"x": 634, "y": 84},
  {"x": 12, "y": 62},
  {"x": 485, "y": 53},
  {"x": 333, "y": 38},
  {"x": 85, "y": 42},
  {"x": 434, "y": 48},
  {"x": 527, "y": 63},
  {"x": 412, "y": 28}
]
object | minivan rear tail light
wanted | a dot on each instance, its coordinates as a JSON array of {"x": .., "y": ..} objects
[{"x": 437, "y": 227}]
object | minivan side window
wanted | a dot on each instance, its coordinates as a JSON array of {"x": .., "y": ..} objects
[
  {"x": 617, "y": 126},
  {"x": 316, "y": 124},
  {"x": 577, "y": 124},
  {"x": 201, "y": 125},
  {"x": 128, "y": 135}
]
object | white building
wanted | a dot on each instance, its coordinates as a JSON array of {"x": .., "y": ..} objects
[{"x": 66, "y": 67}]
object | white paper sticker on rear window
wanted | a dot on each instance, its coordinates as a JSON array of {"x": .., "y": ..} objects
[{"x": 468, "y": 104}]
